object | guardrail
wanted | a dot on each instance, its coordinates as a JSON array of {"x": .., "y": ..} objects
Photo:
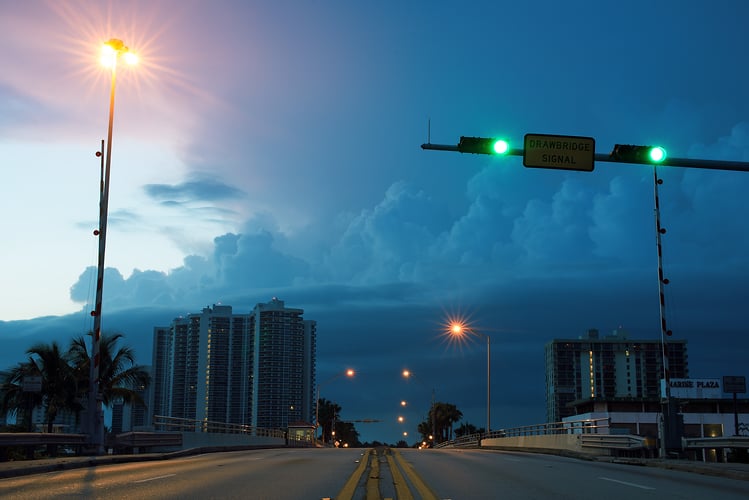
[
  {"x": 132, "y": 440},
  {"x": 41, "y": 438},
  {"x": 164, "y": 423},
  {"x": 175, "y": 424},
  {"x": 717, "y": 442},
  {"x": 587, "y": 426},
  {"x": 32, "y": 440},
  {"x": 615, "y": 441}
]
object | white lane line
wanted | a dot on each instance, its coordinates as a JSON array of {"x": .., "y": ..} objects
[
  {"x": 635, "y": 485},
  {"x": 154, "y": 478}
]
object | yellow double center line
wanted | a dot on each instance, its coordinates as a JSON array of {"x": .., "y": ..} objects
[
  {"x": 398, "y": 467},
  {"x": 421, "y": 487}
]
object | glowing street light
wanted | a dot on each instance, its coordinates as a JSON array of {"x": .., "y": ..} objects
[
  {"x": 111, "y": 52},
  {"x": 347, "y": 373},
  {"x": 407, "y": 374},
  {"x": 459, "y": 329}
]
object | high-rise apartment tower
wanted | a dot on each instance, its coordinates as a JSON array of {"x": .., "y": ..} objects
[{"x": 255, "y": 369}]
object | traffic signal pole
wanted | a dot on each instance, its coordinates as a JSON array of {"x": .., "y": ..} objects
[
  {"x": 577, "y": 153},
  {"x": 738, "y": 166}
]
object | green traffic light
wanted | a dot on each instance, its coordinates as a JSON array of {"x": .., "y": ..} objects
[
  {"x": 500, "y": 146},
  {"x": 657, "y": 154}
]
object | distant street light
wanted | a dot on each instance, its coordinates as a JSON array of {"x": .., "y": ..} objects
[
  {"x": 111, "y": 51},
  {"x": 348, "y": 373},
  {"x": 408, "y": 374},
  {"x": 458, "y": 329}
]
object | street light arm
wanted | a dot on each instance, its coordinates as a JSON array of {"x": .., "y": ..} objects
[{"x": 348, "y": 373}]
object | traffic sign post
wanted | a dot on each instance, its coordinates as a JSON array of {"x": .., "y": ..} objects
[
  {"x": 563, "y": 152},
  {"x": 736, "y": 385}
]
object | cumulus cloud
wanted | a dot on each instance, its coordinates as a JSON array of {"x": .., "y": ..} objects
[{"x": 581, "y": 227}]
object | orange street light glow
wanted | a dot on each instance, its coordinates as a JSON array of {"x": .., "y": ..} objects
[{"x": 457, "y": 330}]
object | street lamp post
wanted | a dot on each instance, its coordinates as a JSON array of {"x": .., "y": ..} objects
[
  {"x": 348, "y": 373},
  {"x": 110, "y": 54},
  {"x": 459, "y": 329}
]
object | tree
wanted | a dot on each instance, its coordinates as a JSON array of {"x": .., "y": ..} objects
[
  {"x": 14, "y": 400},
  {"x": 326, "y": 413},
  {"x": 59, "y": 389},
  {"x": 445, "y": 415},
  {"x": 346, "y": 433},
  {"x": 120, "y": 379},
  {"x": 467, "y": 429},
  {"x": 65, "y": 378},
  {"x": 425, "y": 429}
]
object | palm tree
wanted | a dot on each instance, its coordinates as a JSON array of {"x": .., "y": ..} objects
[
  {"x": 453, "y": 415},
  {"x": 14, "y": 399},
  {"x": 327, "y": 412},
  {"x": 425, "y": 429},
  {"x": 58, "y": 389},
  {"x": 59, "y": 384},
  {"x": 467, "y": 429},
  {"x": 445, "y": 415},
  {"x": 120, "y": 379}
]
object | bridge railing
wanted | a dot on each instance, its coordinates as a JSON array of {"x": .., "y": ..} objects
[
  {"x": 165, "y": 423},
  {"x": 586, "y": 426}
]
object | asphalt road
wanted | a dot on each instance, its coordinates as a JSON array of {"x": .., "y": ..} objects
[
  {"x": 481, "y": 474},
  {"x": 258, "y": 474},
  {"x": 363, "y": 474}
]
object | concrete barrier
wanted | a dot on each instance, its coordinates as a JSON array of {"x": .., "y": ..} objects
[
  {"x": 208, "y": 439},
  {"x": 550, "y": 443}
]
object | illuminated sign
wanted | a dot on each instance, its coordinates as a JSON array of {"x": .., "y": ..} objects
[{"x": 696, "y": 388}]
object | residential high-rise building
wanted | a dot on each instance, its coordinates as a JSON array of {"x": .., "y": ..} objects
[
  {"x": 132, "y": 416},
  {"x": 161, "y": 372},
  {"x": 255, "y": 369},
  {"x": 284, "y": 365},
  {"x": 607, "y": 368}
]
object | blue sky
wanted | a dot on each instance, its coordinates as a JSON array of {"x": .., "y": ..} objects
[{"x": 272, "y": 149}]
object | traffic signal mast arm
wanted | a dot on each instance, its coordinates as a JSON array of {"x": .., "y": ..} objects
[{"x": 620, "y": 154}]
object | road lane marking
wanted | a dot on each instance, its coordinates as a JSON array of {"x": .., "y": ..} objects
[
  {"x": 373, "y": 481},
  {"x": 348, "y": 490},
  {"x": 418, "y": 483},
  {"x": 154, "y": 478},
  {"x": 401, "y": 487},
  {"x": 626, "y": 483}
]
